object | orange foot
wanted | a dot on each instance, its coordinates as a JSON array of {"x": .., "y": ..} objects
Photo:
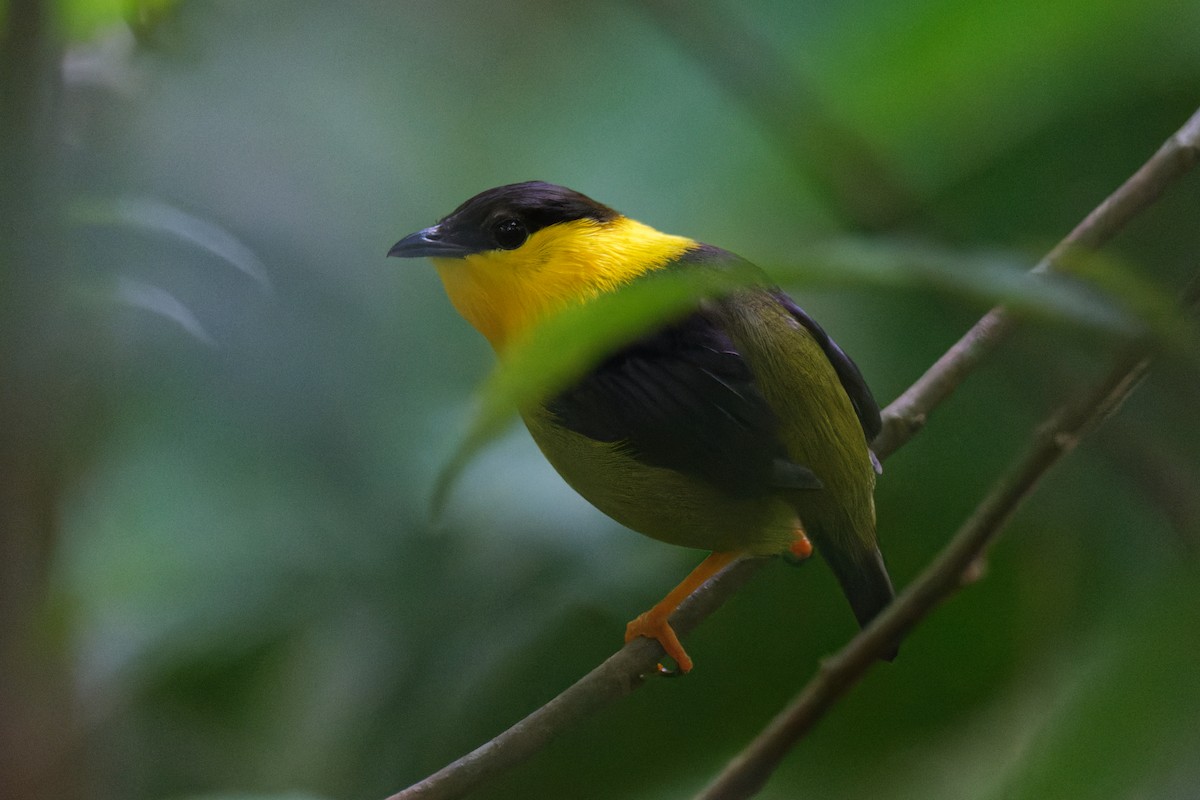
[
  {"x": 800, "y": 548},
  {"x": 653, "y": 624}
]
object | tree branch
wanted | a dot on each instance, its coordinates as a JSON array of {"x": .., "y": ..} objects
[
  {"x": 621, "y": 673},
  {"x": 617, "y": 676},
  {"x": 1061, "y": 433}
]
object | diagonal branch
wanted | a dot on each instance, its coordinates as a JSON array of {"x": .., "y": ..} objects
[
  {"x": 748, "y": 772},
  {"x": 617, "y": 676},
  {"x": 621, "y": 673}
]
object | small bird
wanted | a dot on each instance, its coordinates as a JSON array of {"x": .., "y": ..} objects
[{"x": 739, "y": 428}]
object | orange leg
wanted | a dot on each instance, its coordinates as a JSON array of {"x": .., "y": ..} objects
[{"x": 653, "y": 624}]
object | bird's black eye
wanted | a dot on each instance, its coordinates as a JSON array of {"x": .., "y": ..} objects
[{"x": 510, "y": 233}]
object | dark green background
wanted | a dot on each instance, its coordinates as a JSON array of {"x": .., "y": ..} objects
[{"x": 245, "y": 588}]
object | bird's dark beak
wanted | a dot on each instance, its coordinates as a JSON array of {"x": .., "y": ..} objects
[{"x": 428, "y": 242}]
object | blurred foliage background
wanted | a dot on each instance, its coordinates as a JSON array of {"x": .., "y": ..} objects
[{"x": 223, "y": 410}]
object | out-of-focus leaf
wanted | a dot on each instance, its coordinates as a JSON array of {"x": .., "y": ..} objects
[
  {"x": 1147, "y": 301},
  {"x": 104, "y": 62},
  {"x": 154, "y": 215},
  {"x": 565, "y": 346},
  {"x": 161, "y": 302},
  {"x": 82, "y": 18},
  {"x": 1131, "y": 717},
  {"x": 984, "y": 74},
  {"x": 1117, "y": 302}
]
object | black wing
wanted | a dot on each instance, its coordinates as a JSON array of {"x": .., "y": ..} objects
[
  {"x": 684, "y": 398},
  {"x": 847, "y": 371}
]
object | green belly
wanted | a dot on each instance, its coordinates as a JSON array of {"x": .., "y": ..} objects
[{"x": 662, "y": 503}]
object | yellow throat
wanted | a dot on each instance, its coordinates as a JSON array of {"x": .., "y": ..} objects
[{"x": 502, "y": 293}]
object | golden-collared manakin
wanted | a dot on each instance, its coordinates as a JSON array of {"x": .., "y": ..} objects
[{"x": 737, "y": 428}]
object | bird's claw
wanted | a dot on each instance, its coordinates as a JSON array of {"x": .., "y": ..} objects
[
  {"x": 668, "y": 672},
  {"x": 656, "y": 627}
]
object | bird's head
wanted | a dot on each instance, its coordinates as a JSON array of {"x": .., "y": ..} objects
[{"x": 510, "y": 255}]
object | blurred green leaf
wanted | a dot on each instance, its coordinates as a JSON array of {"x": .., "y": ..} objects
[
  {"x": 1117, "y": 304},
  {"x": 83, "y": 18},
  {"x": 563, "y": 347},
  {"x": 161, "y": 302},
  {"x": 946, "y": 86},
  {"x": 1130, "y": 713},
  {"x": 1159, "y": 309},
  {"x": 148, "y": 214}
]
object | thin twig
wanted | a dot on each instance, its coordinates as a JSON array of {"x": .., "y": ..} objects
[
  {"x": 621, "y": 673},
  {"x": 1060, "y": 434}
]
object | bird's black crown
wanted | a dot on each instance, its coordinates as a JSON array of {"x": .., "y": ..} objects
[{"x": 502, "y": 218}]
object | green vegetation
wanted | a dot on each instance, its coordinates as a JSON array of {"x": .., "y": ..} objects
[{"x": 225, "y": 412}]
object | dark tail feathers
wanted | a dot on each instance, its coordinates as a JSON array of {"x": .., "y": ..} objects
[{"x": 864, "y": 581}]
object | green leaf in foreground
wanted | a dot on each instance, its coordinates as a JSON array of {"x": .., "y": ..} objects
[
  {"x": 563, "y": 347},
  {"x": 83, "y": 18},
  {"x": 1103, "y": 297}
]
